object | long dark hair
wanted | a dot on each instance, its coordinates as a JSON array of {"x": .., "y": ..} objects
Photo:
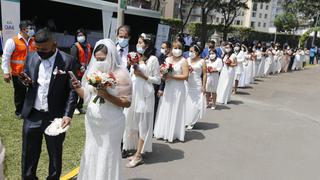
[{"x": 148, "y": 40}]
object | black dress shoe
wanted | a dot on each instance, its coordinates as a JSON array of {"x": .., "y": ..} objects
[
  {"x": 124, "y": 154},
  {"x": 82, "y": 111},
  {"x": 18, "y": 116}
]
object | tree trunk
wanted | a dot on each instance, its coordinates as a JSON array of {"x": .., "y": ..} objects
[
  {"x": 225, "y": 34},
  {"x": 204, "y": 27}
]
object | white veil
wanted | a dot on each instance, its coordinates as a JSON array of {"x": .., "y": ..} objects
[{"x": 112, "y": 64}]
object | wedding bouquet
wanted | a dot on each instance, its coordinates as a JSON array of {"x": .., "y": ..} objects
[
  {"x": 165, "y": 69},
  {"x": 210, "y": 69},
  {"x": 190, "y": 69},
  {"x": 133, "y": 58},
  {"x": 99, "y": 80},
  {"x": 54, "y": 129},
  {"x": 228, "y": 62}
]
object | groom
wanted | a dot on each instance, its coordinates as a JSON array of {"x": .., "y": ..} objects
[{"x": 50, "y": 95}]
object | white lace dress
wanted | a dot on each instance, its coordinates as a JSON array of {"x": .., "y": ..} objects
[
  {"x": 139, "y": 116},
  {"x": 213, "y": 78},
  {"x": 195, "y": 98},
  {"x": 226, "y": 79},
  {"x": 170, "y": 120},
  {"x": 104, "y": 125}
]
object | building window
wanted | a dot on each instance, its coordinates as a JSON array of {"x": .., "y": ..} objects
[
  {"x": 255, "y": 7},
  {"x": 254, "y": 14},
  {"x": 222, "y": 21},
  {"x": 267, "y": 7},
  {"x": 264, "y": 24},
  {"x": 252, "y": 24},
  {"x": 242, "y": 13},
  {"x": 259, "y": 24},
  {"x": 261, "y": 6},
  {"x": 238, "y": 22},
  {"x": 260, "y": 15},
  {"x": 217, "y": 20},
  {"x": 265, "y": 16}
]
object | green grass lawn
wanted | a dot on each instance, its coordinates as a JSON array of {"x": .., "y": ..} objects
[{"x": 11, "y": 133}]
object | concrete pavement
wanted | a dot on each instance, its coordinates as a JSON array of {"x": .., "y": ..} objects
[{"x": 270, "y": 131}]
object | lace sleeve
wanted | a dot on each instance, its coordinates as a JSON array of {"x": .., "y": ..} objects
[{"x": 124, "y": 84}]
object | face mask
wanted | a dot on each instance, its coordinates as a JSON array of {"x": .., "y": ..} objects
[
  {"x": 212, "y": 56},
  {"x": 102, "y": 66},
  {"x": 176, "y": 52},
  {"x": 227, "y": 50},
  {"x": 30, "y": 32},
  {"x": 46, "y": 55},
  {"x": 237, "y": 48},
  {"x": 192, "y": 55},
  {"x": 140, "y": 50},
  {"x": 123, "y": 42},
  {"x": 81, "y": 39},
  {"x": 163, "y": 51}
]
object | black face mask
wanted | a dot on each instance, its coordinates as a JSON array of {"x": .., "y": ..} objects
[{"x": 45, "y": 55}]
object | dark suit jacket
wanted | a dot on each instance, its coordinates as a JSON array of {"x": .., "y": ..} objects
[{"x": 62, "y": 98}]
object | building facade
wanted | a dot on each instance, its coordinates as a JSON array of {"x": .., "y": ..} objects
[{"x": 258, "y": 16}]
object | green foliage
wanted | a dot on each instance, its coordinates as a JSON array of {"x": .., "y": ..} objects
[
  {"x": 306, "y": 35},
  {"x": 286, "y": 22},
  {"x": 175, "y": 25}
]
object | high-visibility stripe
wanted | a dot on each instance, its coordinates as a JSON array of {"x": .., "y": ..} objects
[
  {"x": 17, "y": 62},
  {"x": 71, "y": 174}
]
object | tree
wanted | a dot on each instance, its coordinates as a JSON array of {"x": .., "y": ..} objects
[
  {"x": 286, "y": 22},
  {"x": 188, "y": 15},
  {"x": 309, "y": 9},
  {"x": 230, "y": 9},
  {"x": 206, "y": 7}
]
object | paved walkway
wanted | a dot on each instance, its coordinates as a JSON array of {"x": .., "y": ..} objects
[{"x": 270, "y": 131}]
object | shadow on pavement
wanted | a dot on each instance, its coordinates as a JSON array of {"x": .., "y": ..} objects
[
  {"x": 242, "y": 93},
  {"x": 247, "y": 87},
  {"x": 222, "y": 107},
  {"x": 205, "y": 126},
  {"x": 234, "y": 102},
  {"x": 163, "y": 153},
  {"x": 193, "y": 135}
]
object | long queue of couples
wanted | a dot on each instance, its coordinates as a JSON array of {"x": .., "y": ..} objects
[{"x": 132, "y": 96}]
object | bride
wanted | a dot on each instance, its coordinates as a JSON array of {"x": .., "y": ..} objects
[{"x": 104, "y": 120}]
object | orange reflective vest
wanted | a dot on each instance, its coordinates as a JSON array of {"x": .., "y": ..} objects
[
  {"x": 82, "y": 57},
  {"x": 19, "y": 55}
]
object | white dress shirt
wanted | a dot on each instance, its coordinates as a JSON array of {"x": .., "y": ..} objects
[
  {"x": 123, "y": 54},
  {"x": 44, "y": 77},
  {"x": 8, "y": 49}
]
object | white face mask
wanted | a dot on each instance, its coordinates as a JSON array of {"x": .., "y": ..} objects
[
  {"x": 30, "y": 32},
  {"x": 212, "y": 56},
  {"x": 81, "y": 39},
  {"x": 163, "y": 51},
  {"x": 237, "y": 48},
  {"x": 140, "y": 50},
  {"x": 176, "y": 52},
  {"x": 192, "y": 55},
  {"x": 227, "y": 50},
  {"x": 123, "y": 42}
]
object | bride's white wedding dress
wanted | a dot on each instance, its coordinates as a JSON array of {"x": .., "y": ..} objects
[{"x": 104, "y": 124}]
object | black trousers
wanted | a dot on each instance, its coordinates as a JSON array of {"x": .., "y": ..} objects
[
  {"x": 19, "y": 94},
  {"x": 80, "y": 100},
  {"x": 33, "y": 131},
  {"x": 156, "y": 102}
]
